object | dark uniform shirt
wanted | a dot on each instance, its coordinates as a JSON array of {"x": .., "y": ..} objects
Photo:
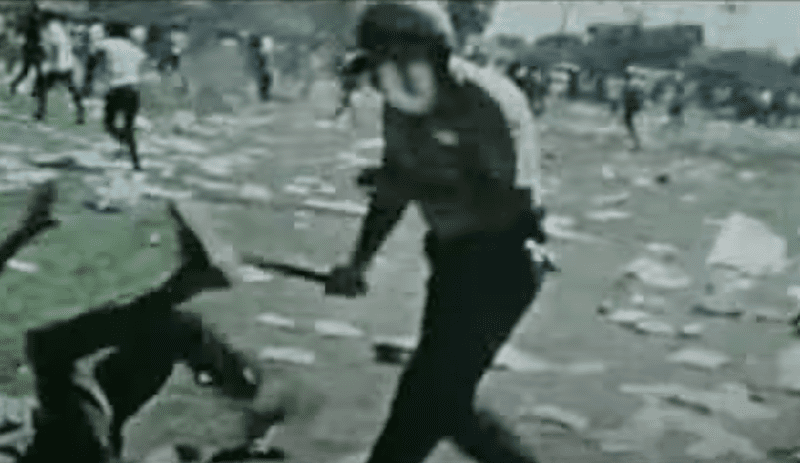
[{"x": 469, "y": 163}]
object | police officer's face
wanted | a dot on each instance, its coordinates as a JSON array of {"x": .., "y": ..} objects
[{"x": 408, "y": 83}]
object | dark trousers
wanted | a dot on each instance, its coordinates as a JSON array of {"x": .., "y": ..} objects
[
  {"x": 264, "y": 85},
  {"x": 123, "y": 100},
  {"x": 479, "y": 289},
  {"x": 31, "y": 59},
  {"x": 628, "y": 120},
  {"x": 46, "y": 81}
]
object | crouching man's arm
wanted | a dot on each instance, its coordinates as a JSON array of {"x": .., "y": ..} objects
[{"x": 34, "y": 219}]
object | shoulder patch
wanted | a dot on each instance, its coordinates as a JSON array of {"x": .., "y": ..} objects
[{"x": 514, "y": 106}]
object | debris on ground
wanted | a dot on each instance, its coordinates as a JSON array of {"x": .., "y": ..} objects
[
  {"x": 692, "y": 330},
  {"x": 512, "y": 359},
  {"x": 394, "y": 349},
  {"x": 658, "y": 274},
  {"x": 253, "y": 192},
  {"x": 293, "y": 355},
  {"x": 22, "y": 266},
  {"x": 369, "y": 143},
  {"x": 558, "y": 227},
  {"x": 770, "y": 315},
  {"x": 337, "y": 329},
  {"x": 611, "y": 200},
  {"x": 250, "y": 274},
  {"x": 607, "y": 215},
  {"x": 553, "y": 414},
  {"x": 655, "y": 328},
  {"x": 346, "y": 207},
  {"x": 644, "y": 431},
  {"x": 294, "y": 189},
  {"x": 663, "y": 250},
  {"x": 749, "y": 246},
  {"x": 732, "y": 399},
  {"x": 627, "y": 317},
  {"x": 718, "y": 306},
  {"x": 277, "y": 320},
  {"x": 788, "y": 363},
  {"x": 701, "y": 358}
]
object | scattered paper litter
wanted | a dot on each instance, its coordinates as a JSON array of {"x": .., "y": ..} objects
[
  {"x": 369, "y": 143},
  {"x": 655, "y": 327},
  {"x": 255, "y": 192},
  {"x": 692, "y": 330},
  {"x": 628, "y": 316},
  {"x": 553, "y": 414},
  {"x": 337, "y": 329},
  {"x": 748, "y": 245},
  {"x": 608, "y": 215},
  {"x": 609, "y": 200},
  {"x": 346, "y": 206},
  {"x": 702, "y": 358},
  {"x": 657, "y": 274},
  {"x": 276, "y": 320},
  {"x": 793, "y": 291},
  {"x": 559, "y": 227},
  {"x": 730, "y": 398},
  {"x": 22, "y": 266},
  {"x": 770, "y": 315},
  {"x": 158, "y": 192},
  {"x": 404, "y": 343},
  {"x": 788, "y": 362},
  {"x": 294, "y": 189},
  {"x": 208, "y": 184},
  {"x": 513, "y": 359},
  {"x": 663, "y": 249},
  {"x": 32, "y": 176},
  {"x": 291, "y": 355},
  {"x": 251, "y": 274}
]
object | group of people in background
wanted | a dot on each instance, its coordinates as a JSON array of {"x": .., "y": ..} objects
[{"x": 59, "y": 49}]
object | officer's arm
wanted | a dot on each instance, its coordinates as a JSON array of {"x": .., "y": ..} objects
[
  {"x": 379, "y": 222},
  {"x": 387, "y": 202}
]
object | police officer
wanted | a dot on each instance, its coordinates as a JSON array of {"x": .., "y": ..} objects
[{"x": 461, "y": 142}]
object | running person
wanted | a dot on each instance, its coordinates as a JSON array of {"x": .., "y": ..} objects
[
  {"x": 124, "y": 60},
  {"x": 32, "y": 51},
  {"x": 58, "y": 66},
  {"x": 632, "y": 104},
  {"x": 461, "y": 142}
]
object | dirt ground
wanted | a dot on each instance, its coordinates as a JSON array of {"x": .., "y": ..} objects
[{"x": 679, "y": 185}]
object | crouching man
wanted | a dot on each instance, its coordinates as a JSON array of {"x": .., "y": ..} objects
[
  {"x": 95, "y": 370},
  {"x": 461, "y": 143}
]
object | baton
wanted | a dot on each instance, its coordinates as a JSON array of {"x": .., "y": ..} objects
[{"x": 292, "y": 270}]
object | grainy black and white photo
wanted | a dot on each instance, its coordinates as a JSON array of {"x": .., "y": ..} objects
[{"x": 399, "y": 231}]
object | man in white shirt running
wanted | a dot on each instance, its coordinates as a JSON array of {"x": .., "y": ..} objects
[
  {"x": 124, "y": 60},
  {"x": 58, "y": 66}
]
